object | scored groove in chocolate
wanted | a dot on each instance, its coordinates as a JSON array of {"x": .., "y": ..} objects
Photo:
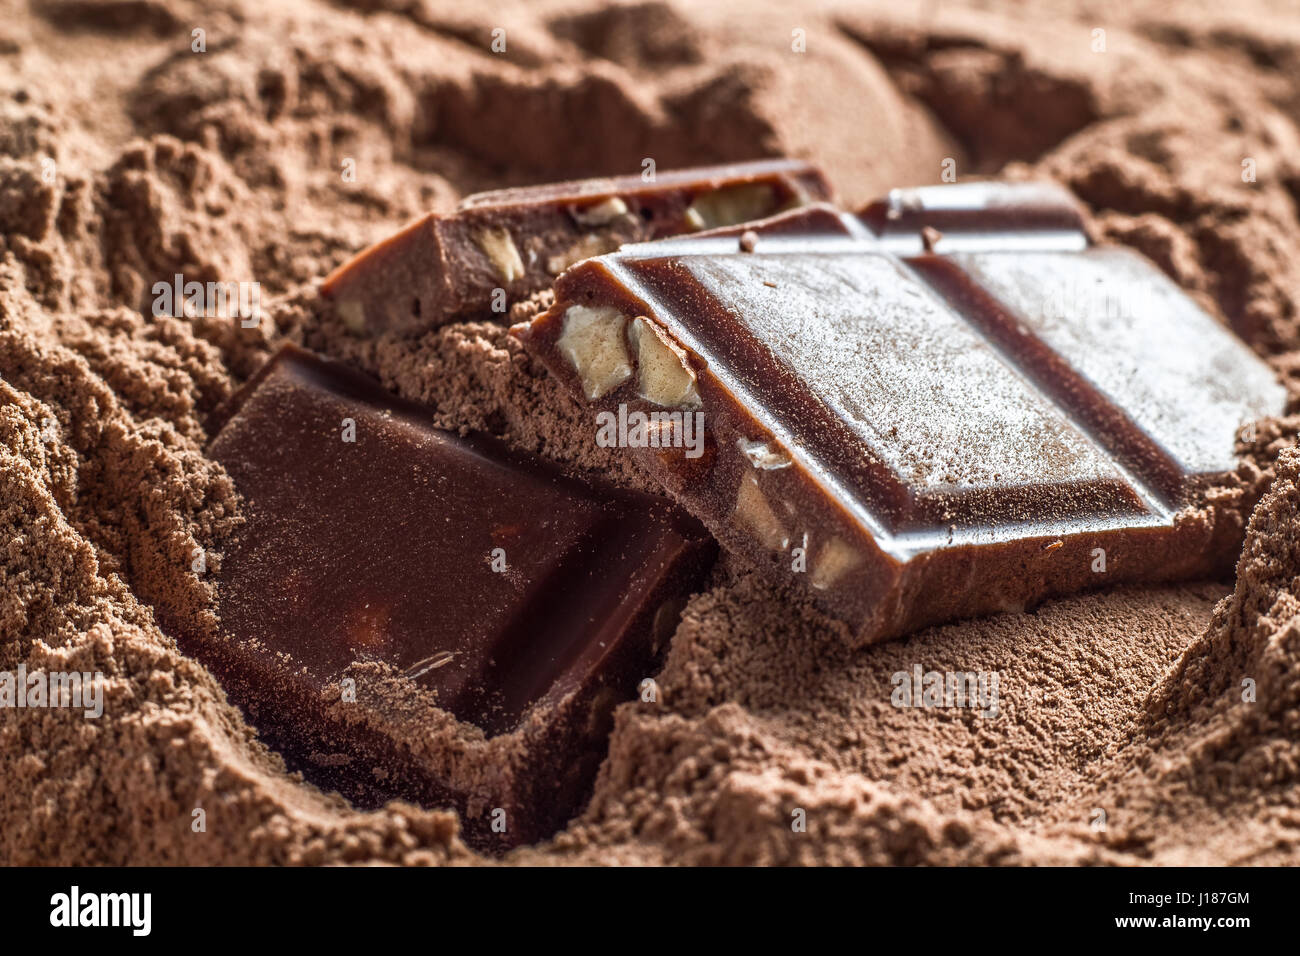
[{"x": 1125, "y": 370}]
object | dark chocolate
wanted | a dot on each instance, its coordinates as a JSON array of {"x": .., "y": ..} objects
[
  {"x": 482, "y": 582},
  {"x": 987, "y": 216},
  {"x": 502, "y": 246},
  {"x": 922, "y": 435}
]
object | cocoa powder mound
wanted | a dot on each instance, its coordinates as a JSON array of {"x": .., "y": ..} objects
[{"x": 304, "y": 130}]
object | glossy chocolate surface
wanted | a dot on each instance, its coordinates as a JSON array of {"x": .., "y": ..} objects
[{"x": 918, "y": 435}]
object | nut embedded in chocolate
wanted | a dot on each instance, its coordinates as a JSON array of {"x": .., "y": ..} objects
[
  {"x": 835, "y": 559},
  {"x": 731, "y": 205},
  {"x": 590, "y": 245},
  {"x": 601, "y": 213},
  {"x": 500, "y": 249},
  {"x": 753, "y": 513},
  {"x": 593, "y": 343},
  {"x": 663, "y": 374},
  {"x": 444, "y": 267}
]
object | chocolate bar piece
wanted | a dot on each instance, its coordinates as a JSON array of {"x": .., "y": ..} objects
[
  {"x": 502, "y": 246},
  {"x": 920, "y": 435},
  {"x": 980, "y": 215},
  {"x": 409, "y": 613}
]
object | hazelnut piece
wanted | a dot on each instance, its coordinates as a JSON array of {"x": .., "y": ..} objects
[
  {"x": 753, "y": 512},
  {"x": 592, "y": 244},
  {"x": 732, "y": 205},
  {"x": 353, "y": 314},
  {"x": 764, "y": 456},
  {"x": 501, "y": 250},
  {"x": 663, "y": 374},
  {"x": 835, "y": 559},
  {"x": 601, "y": 213},
  {"x": 592, "y": 340}
]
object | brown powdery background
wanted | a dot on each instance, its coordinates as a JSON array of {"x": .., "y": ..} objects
[{"x": 126, "y": 158}]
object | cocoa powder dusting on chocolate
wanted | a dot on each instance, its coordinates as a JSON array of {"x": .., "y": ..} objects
[{"x": 1175, "y": 710}]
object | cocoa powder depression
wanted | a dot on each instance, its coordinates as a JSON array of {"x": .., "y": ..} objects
[{"x": 284, "y": 137}]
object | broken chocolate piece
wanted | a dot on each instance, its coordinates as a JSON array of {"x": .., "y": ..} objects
[
  {"x": 443, "y": 267},
  {"x": 918, "y": 436},
  {"x": 979, "y": 215},
  {"x": 390, "y": 570}
]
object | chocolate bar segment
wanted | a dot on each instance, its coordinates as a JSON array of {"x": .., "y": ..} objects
[
  {"x": 921, "y": 437},
  {"x": 977, "y": 216},
  {"x": 1161, "y": 384},
  {"x": 488, "y": 610},
  {"x": 443, "y": 267}
]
